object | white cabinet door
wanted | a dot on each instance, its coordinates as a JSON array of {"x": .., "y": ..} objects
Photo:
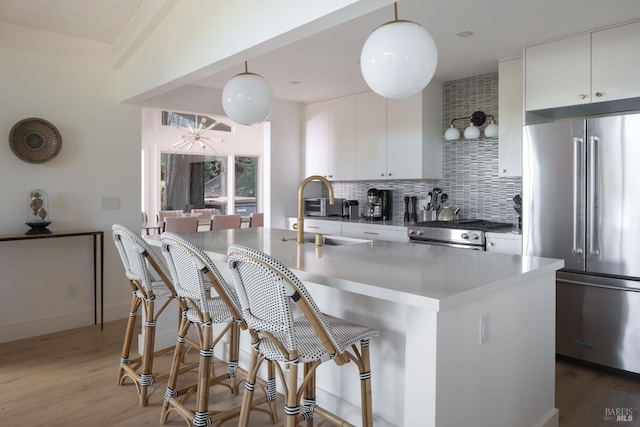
[
  {"x": 322, "y": 227},
  {"x": 404, "y": 138},
  {"x": 371, "y": 136},
  {"x": 374, "y": 232},
  {"x": 615, "y": 63},
  {"x": 510, "y": 117},
  {"x": 316, "y": 131},
  {"x": 504, "y": 243},
  {"x": 342, "y": 139},
  {"x": 558, "y": 73}
]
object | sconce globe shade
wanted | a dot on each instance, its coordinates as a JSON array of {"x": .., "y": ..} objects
[
  {"x": 452, "y": 134},
  {"x": 247, "y": 99},
  {"x": 491, "y": 131},
  {"x": 472, "y": 132},
  {"x": 398, "y": 59}
]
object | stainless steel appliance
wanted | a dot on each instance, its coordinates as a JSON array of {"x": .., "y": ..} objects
[
  {"x": 319, "y": 206},
  {"x": 463, "y": 233},
  {"x": 580, "y": 203},
  {"x": 378, "y": 205},
  {"x": 350, "y": 209}
]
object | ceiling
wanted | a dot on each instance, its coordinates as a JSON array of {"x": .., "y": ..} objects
[{"x": 326, "y": 65}]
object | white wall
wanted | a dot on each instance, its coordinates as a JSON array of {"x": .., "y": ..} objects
[{"x": 68, "y": 82}]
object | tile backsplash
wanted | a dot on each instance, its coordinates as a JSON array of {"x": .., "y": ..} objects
[{"x": 470, "y": 167}]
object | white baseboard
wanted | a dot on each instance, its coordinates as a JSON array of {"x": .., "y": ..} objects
[
  {"x": 29, "y": 328},
  {"x": 550, "y": 419}
]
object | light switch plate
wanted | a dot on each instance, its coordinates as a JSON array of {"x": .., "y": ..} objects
[{"x": 110, "y": 203}]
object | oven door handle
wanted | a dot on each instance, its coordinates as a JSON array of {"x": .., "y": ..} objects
[{"x": 448, "y": 245}]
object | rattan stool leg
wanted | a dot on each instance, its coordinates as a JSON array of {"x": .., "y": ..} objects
[
  {"x": 249, "y": 386},
  {"x": 128, "y": 338},
  {"x": 292, "y": 405},
  {"x": 309, "y": 395},
  {"x": 175, "y": 369},
  {"x": 146, "y": 377},
  {"x": 365, "y": 385}
]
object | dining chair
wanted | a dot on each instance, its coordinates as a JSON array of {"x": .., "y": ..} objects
[
  {"x": 256, "y": 220},
  {"x": 268, "y": 293},
  {"x": 204, "y": 219},
  {"x": 209, "y": 300},
  {"x": 151, "y": 284},
  {"x": 161, "y": 215},
  {"x": 225, "y": 222},
  {"x": 181, "y": 224}
]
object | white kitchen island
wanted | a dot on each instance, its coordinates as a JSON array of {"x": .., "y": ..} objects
[{"x": 434, "y": 307}]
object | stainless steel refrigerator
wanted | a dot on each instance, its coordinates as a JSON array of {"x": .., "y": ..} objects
[{"x": 581, "y": 203}]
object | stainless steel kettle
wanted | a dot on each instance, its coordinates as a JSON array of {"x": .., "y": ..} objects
[{"x": 446, "y": 214}]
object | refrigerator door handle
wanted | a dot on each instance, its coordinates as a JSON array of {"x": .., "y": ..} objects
[
  {"x": 577, "y": 191},
  {"x": 593, "y": 201}
]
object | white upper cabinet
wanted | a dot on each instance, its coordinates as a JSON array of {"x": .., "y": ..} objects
[
  {"x": 615, "y": 63},
  {"x": 510, "y": 114},
  {"x": 558, "y": 73},
  {"x": 316, "y": 131},
  {"x": 342, "y": 139},
  {"x": 404, "y": 138},
  {"x": 585, "y": 69},
  {"x": 371, "y": 136},
  {"x": 330, "y": 138}
]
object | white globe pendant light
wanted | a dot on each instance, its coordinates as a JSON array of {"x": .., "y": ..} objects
[
  {"x": 398, "y": 59},
  {"x": 247, "y": 98}
]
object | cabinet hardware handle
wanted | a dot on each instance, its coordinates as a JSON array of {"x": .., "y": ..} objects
[
  {"x": 503, "y": 170},
  {"x": 582, "y": 96},
  {"x": 330, "y": 176},
  {"x": 491, "y": 244},
  {"x": 382, "y": 174},
  {"x": 389, "y": 174},
  {"x": 371, "y": 232},
  {"x": 311, "y": 226},
  {"x": 599, "y": 94}
]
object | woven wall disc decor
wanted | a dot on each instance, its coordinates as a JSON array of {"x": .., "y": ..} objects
[{"x": 35, "y": 140}]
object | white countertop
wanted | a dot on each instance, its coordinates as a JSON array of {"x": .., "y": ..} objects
[{"x": 426, "y": 276}]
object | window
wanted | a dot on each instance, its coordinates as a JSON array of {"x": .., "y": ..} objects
[
  {"x": 186, "y": 120},
  {"x": 191, "y": 181}
]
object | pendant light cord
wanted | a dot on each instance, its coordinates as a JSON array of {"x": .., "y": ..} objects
[{"x": 395, "y": 10}]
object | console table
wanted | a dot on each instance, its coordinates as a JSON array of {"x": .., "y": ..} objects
[{"x": 76, "y": 233}]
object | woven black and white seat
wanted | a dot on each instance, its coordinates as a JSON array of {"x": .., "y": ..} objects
[
  {"x": 208, "y": 300},
  {"x": 267, "y": 291},
  {"x": 150, "y": 282}
]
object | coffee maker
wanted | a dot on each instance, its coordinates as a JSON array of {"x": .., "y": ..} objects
[{"x": 378, "y": 205}]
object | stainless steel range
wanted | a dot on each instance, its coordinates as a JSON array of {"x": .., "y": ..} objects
[{"x": 463, "y": 234}]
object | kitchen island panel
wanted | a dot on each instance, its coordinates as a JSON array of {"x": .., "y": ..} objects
[{"x": 428, "y": 366}]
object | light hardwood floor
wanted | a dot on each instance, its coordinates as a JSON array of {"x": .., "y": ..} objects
[{"x": 69, "y": 379}]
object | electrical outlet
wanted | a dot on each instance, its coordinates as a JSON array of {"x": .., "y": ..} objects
[
  {"x": 484, "y": 328},
  {"x": 72, "y": 291},
  {"x": 110, "y": 203}
]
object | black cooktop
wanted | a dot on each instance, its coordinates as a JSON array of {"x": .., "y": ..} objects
[{"x": 466, "y": 224}]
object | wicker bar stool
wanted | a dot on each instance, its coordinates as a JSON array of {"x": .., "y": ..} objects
[
  {"x": 267, "y": 291},
  {"x": 150, "y": 282},
  {"x": 196, "y": 279}
]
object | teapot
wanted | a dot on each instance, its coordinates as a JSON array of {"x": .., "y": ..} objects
[{"x": 448, "y": 213}]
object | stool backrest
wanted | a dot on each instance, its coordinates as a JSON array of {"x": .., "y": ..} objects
[
  {"x": 225, "y": 222},
  {"x": 141, "y": 265},
  {"x": 193, "y": 272},
  {"x": 181, "y": 224},
  {"x": 266, "y": 289}
]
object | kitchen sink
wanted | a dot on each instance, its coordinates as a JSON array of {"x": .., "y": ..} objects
[{"x": 338, "y": 240}]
